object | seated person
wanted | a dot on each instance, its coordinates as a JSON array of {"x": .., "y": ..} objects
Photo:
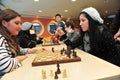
[
  {"x": 26, "y": 39},
  {"x": 72, "y": 38},
  {"x": 96, "y": 39}
]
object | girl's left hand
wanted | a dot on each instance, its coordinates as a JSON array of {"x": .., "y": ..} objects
[{"x": 32, "y": 50}]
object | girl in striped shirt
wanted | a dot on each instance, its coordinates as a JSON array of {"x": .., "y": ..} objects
[{"x": 10, "y": 52}]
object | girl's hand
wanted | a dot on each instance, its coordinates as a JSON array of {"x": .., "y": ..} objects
[
  {"x": 32, "y": 50},
  {"x": 21, "y": 58}
]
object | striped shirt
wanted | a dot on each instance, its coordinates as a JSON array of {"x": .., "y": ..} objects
[{"x": 7, "y": 61}]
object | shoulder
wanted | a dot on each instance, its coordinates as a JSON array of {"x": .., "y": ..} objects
[
  {"x": 77, "y": 33},
  {"x": 2, "y": 40}
]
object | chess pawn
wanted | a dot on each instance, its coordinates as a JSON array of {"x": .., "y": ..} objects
[
  {"x": 53, "y": 50},
  {"x": 51, "y": 73},
  {"x": 63, "y": 49},
  {"x": 44, "y": 74},
  {"x": 56, "y": 76},
  {"x": 58, "y": 70},
  {"x": 64, "y": 73},
  {"x": 58, "y": 64},
  {"x": 61, "y": 52},
  {"x": 74, "y": 54}
]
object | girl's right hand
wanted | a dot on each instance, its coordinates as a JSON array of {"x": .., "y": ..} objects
[{"x": 21, "y": 58}]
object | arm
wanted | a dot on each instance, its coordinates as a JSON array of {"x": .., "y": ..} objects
[
  {"x": 74, "y": 41},
  {"x": 24, "y": 51},
  {"x": 7, "y": 61},
  {"x": 117, "y": 34},
  {"x": 110, "y": 48}
]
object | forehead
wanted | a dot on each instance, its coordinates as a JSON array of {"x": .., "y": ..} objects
[
  {"x": 82, "y": 15},
  {"x": 16, "y": 19},
  {"x": 57, "y": 17}
]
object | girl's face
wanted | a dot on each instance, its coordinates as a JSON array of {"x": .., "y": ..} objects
[
  {"x": 84, "y": 22},
  {"x": 13, "y": 26}
]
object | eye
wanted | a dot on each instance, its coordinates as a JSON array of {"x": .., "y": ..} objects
[
  {"x": 17, "y": 23},
  {"x": 82, "y": 20}
]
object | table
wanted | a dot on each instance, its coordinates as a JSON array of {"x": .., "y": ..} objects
[{"x": 90, "y": 68}]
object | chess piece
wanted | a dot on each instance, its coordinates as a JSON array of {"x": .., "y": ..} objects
[
  {"x": 56, "y": 76},
  {"x": 63, "y": 49},
  {"x": 51, "y": 73},
  {"x": 58, "y": 64},
  {"x": 64, "y": 73},
  {"x": 68, "y": 52},
  {"x": 75, "y": 54},
  {"x": 61, "y": 52},
  {"x": 58, "y": 68},
  {"x": 53, "y": 50},
  {"x": 44, "y": 74}
]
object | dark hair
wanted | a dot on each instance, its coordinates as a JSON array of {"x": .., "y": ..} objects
[
  {"x": 94, "y": 31},
  {"x": 8, "y": 15},
  {"x": 70, "y": 24},
  {"x": 58, "y": 15},
  {"x": 114, "y": 27}
]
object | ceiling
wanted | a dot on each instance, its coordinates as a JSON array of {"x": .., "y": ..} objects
[{"x": 29, "y": 8}]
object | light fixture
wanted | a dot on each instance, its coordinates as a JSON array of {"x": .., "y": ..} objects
[
  {"x": 65, "y": 10},
  {"x": 74, "y": 0},
  {"x": 36, "y": 0},
  {"x": 39, "y": 10}
]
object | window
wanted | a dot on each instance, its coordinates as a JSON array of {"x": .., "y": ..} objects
[
  {"x": 38, "y": 28},
  {"x": 51, "y": 28}
]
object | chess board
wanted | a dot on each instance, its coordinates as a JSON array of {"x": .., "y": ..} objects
[
  {"x": 50, "y": 44},
  {"x": 47, "y": 57}
]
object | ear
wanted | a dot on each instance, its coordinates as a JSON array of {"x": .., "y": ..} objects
[{"x": 4, "y": 23}]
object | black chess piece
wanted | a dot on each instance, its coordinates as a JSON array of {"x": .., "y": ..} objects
[
  {"x": 53, "y": 50},
  {"x": 58, "y": 64},
  {"x": 75, "y": 54},
  {"x": 58, "y": 68},
  {"x": 68, "y": 51},
  {"x": 61, "y": 52},
  {"x": 63, "y": 49},
  {"x": 56, "y": 76},
  {"x": 68, "y": 54}
]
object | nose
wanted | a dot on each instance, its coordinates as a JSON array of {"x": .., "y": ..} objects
[
  {"x": 19, "y": 26},
  {"x": 80, "y": 23}
]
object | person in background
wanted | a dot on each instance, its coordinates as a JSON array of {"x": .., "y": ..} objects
[
  {"x": 11, "y": 55},
  {"x": 72, "y": 37},
  {"x": 115, "y": 26},
  {"x": 60, "y": 22},
  {"x": 27, "y": 38}
]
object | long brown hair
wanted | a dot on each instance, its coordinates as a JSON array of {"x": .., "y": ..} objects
[{"x": 12, "y": 41}]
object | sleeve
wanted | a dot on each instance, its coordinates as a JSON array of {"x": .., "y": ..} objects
[
  {"x": 73, "y": 37},
  {"x": 23, "y": 51},
  {"x": 110, "y": 48},
  {"x": 7, "y": 62},
  {"x": 74, "y": 43}
]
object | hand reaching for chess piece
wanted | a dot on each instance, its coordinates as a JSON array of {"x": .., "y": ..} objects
[
  {"x": 32, "y": 50},
  {"x": 21, "y": 58}
]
